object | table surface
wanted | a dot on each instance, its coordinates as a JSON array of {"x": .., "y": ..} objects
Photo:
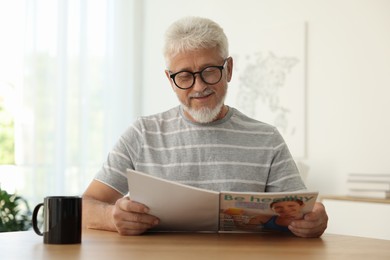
[{"x": 109, "y": 245}]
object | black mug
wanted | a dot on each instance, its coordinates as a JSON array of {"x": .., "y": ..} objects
[{"x": 61, "y": 220}]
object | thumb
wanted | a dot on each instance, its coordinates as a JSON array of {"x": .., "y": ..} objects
[
  {"x": 315, "y": 213},
  {"x": 310, "y": 216}
]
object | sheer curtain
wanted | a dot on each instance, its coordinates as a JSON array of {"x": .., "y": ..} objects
[{"x": 81, "y": 74}]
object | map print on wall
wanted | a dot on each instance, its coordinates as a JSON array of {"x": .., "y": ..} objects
[{"x": 269, "y": 82}]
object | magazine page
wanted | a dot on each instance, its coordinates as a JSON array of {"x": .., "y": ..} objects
[
  {"x": 255, "y": 212},
  {"x": 179, "y": 207}
]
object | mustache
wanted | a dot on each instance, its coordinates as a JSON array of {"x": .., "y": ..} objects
[{"x": 204, "y": 93}]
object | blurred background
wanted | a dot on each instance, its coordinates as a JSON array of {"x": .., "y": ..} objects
[{"x": 74, "y": 74}]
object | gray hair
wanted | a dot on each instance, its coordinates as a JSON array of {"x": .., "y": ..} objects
[{"x": 192, "y": 33}]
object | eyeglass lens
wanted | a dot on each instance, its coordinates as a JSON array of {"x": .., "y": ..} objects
[{"x": 210, "y": 75}]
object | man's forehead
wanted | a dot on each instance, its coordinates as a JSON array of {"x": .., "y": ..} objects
[{"x": 195, "y": 60}]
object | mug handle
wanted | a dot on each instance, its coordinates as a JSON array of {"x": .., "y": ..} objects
[{"x": 34, "y": 219}]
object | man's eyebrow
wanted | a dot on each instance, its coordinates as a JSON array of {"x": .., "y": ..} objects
[{"x": 200, "y": 67}]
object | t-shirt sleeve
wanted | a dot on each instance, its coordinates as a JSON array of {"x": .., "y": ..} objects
[{"x": 284, "y": 174}]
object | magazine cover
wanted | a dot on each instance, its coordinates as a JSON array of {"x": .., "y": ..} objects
[
  {"x": 263, "y": 211},
  {"x": 184, "y": 208}
]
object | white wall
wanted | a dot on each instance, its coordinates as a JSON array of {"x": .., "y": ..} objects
[{"x": 348, "y": 75}]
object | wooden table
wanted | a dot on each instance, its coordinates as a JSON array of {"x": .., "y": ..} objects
[{"x": 108, "y": 245}]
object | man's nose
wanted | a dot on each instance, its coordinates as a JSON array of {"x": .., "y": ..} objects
[{"x": 199, "y": 84}]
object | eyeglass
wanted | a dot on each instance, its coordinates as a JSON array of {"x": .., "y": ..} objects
[{"x": 186, "y": 79}]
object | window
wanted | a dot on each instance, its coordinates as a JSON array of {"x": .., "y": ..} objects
[
  {"x": 7, "y": 129},
  {"x": 70, "y": 66}
]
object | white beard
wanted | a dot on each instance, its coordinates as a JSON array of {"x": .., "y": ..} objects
[{"x": 204, "y": 115}]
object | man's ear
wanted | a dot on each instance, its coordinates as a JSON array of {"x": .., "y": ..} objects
[
  {"x": 229, "y": 69},
  {"x": 170, "y": 80}
]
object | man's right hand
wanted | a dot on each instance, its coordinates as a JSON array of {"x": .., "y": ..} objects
[
  {"x": 106, "y": 209},
  {"x": 132, "y": 218}
]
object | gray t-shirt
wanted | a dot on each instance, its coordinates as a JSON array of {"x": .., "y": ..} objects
[{"x": 236, "y": 153}]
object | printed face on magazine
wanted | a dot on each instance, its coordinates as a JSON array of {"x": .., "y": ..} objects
[{"x": 288, "y": 209}]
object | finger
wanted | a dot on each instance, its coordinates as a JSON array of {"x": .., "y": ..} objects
[
  {"x": 314, "y": 223},
  {"x": 312, "y": 216},
  {"x": 134, "y": 223},
  {"x": 304, "y": 232},
  {"x": 142, "y": 218},
  {"x": 131, "y": 216},
  {"x": 317, "y": 213},
  {"x": 307, "y": 229},
  {"x": 306, "y": 224},
  {"x": 131, "y": 206},
  {"x": 133, "y": 228},
  {"x": 317, "y": 217}
]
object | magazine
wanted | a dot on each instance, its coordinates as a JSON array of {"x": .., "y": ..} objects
[
  {"x": 242, "y": 211},
  {"x": 185, "y": 208}
]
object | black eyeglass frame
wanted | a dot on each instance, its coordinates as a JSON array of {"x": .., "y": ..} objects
[{"x": 172, "y": 76}]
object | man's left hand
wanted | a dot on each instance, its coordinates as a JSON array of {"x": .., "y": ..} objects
[{"x": 313, "y": 224}]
